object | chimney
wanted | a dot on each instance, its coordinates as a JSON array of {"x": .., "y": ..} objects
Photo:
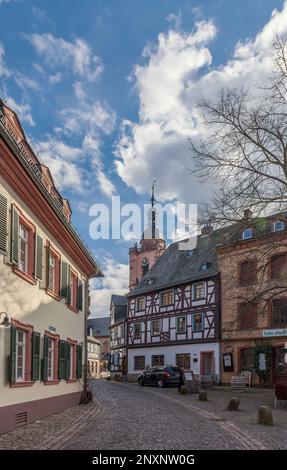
[
  {"x": 247, "y": 214},
  {"x": 207, "y": 229}
]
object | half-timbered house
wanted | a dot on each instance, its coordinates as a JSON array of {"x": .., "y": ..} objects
[
  {"x": 173, "y": 313},
  {"x": 118, "y": 328}
]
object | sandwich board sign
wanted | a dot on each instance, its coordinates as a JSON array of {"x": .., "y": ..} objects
[{"x": 190, "y": 382}]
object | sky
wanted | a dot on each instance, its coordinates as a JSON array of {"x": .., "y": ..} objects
[{"x": 107, "y": 90}]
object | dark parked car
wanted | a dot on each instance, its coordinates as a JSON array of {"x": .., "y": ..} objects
[{"x": 161, "y": 376}]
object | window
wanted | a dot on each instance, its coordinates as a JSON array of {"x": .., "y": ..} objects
[
  {"x": 181, "y": 324},
  {"x": 205, "y": 266},
  {"x": 183, "y": 360},
  {"x": 157, "y": 361},
  {"x": 74, "y": 290},
  {"x": 137, "y": 330},
  {"x": 279, "y": 312},
  {"x": 140, "y": 304},
  {"x": 23, "y": 248},
  {"x": 50, "y": 359},
  {"x": 278, "y": 225},
  {"x": 139, "y": 362},
  {"x": 248, "y": 272},
  {"x": 197, "y": 322},
  {"x": 247, "y": 359},
  {"x": 278, "y": 267},
  {"x": 20, "y": 355},
  {"x": 166, "y": 298},
  {"x": 247, "y": 233},
  {"x": 155, "y": 328},
  {"x": 199, "y": 291},
  {"x": 116, "y": 333},
  {"x": 247, "y": 313},
  {"x": 53, "y": 275},
  {"x": 122, "y": 331}
]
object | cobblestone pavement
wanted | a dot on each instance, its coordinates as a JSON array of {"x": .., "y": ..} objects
[{"x": 126, "y": 416}]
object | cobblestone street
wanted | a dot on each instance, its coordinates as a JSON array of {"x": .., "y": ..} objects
[{"x": 126, "y": 416}]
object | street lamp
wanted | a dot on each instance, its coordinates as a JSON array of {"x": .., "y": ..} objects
[{"x": 5, "y": 322}]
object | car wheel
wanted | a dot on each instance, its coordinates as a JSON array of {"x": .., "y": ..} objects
[
  {"x": 160, "y": 383},
  {"x": 141, "y": 382}
]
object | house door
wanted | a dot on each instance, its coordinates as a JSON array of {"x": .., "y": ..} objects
[
  {"x": 279, "y": 365},
  {"x": 207, "y": 363}
]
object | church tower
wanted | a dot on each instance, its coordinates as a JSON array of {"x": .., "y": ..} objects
[{"x": 151, "y": 246}]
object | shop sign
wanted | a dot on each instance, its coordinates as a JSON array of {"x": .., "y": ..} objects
[{"x": 274, "y": 332}]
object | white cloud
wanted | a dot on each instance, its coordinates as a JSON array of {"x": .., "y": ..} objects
[
  {"x": 89, "y": 120},
  {"x": 59, "y": 53},
  {"x": 63, "y": 163},
  {"x": 115, "y": 282},
  {"x": 106, "y": 186},
  {"x": 88, "y": 115},
  {"x": 23, "y": 111},
  {"x": 55, "y": 78},
  {"x": 3, "y": 68},
  {"x": 25, "y": 83},
  {"x": 176, "y": 73}
]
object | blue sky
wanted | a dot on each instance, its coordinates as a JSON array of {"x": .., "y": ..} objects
[{"x": 107, "y": 92}]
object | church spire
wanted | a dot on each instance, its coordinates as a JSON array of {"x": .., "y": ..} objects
[{"x": 153, "y": 211}]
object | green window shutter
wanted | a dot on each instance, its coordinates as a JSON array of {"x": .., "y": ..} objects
[
  {"x": 79, "y": 361},
  {"x": 35, "y": 356},
  {"x": 48, "y": 266},
  {"x": 80, "y": 295},
  {"x": 14, "y": 236},
  {"x": 3, "y": 223},
  {"x": 62, "y": 359},
  {"x": 64, "y": 280},
  {"x": 13, "y": 355},
  {"x": 69, "y": 286},
  {"x": 45, "y": 359},
  {"x": 68, "y": 360},
  {"x": 39, "y": 257}
]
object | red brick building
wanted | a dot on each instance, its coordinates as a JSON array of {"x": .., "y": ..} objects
[{"x": 252, "y": 261}]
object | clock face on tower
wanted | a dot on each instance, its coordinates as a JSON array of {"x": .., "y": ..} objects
[{"x": 144, "y": 262}]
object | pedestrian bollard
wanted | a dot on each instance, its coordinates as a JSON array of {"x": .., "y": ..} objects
[
  {"x": 202, "y": 396},
  {"x": 233, "y": 404},
  {"x": 183, "y": 390},
  {"x": 265, "y": 415}
]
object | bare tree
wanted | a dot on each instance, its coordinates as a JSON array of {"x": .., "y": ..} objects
[
  {"x": 245, "y": 157},
  {"x": 246, "y": 148}
]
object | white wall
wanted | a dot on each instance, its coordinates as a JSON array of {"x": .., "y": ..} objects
[{"x": 170, "y": 352}]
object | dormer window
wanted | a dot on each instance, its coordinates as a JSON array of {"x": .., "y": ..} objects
[
  {"x": 278, "y": 225},
  {"x": 205, "y": 266},
  {"x": 247, "y": 233}
]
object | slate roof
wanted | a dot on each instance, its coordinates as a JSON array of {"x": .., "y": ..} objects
[
  {"x": 100, "y": 326},
  {"x": 121, "y": 307},
  {"x": 176, "y": 266},
  {"x": 119, "y": 300}
]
